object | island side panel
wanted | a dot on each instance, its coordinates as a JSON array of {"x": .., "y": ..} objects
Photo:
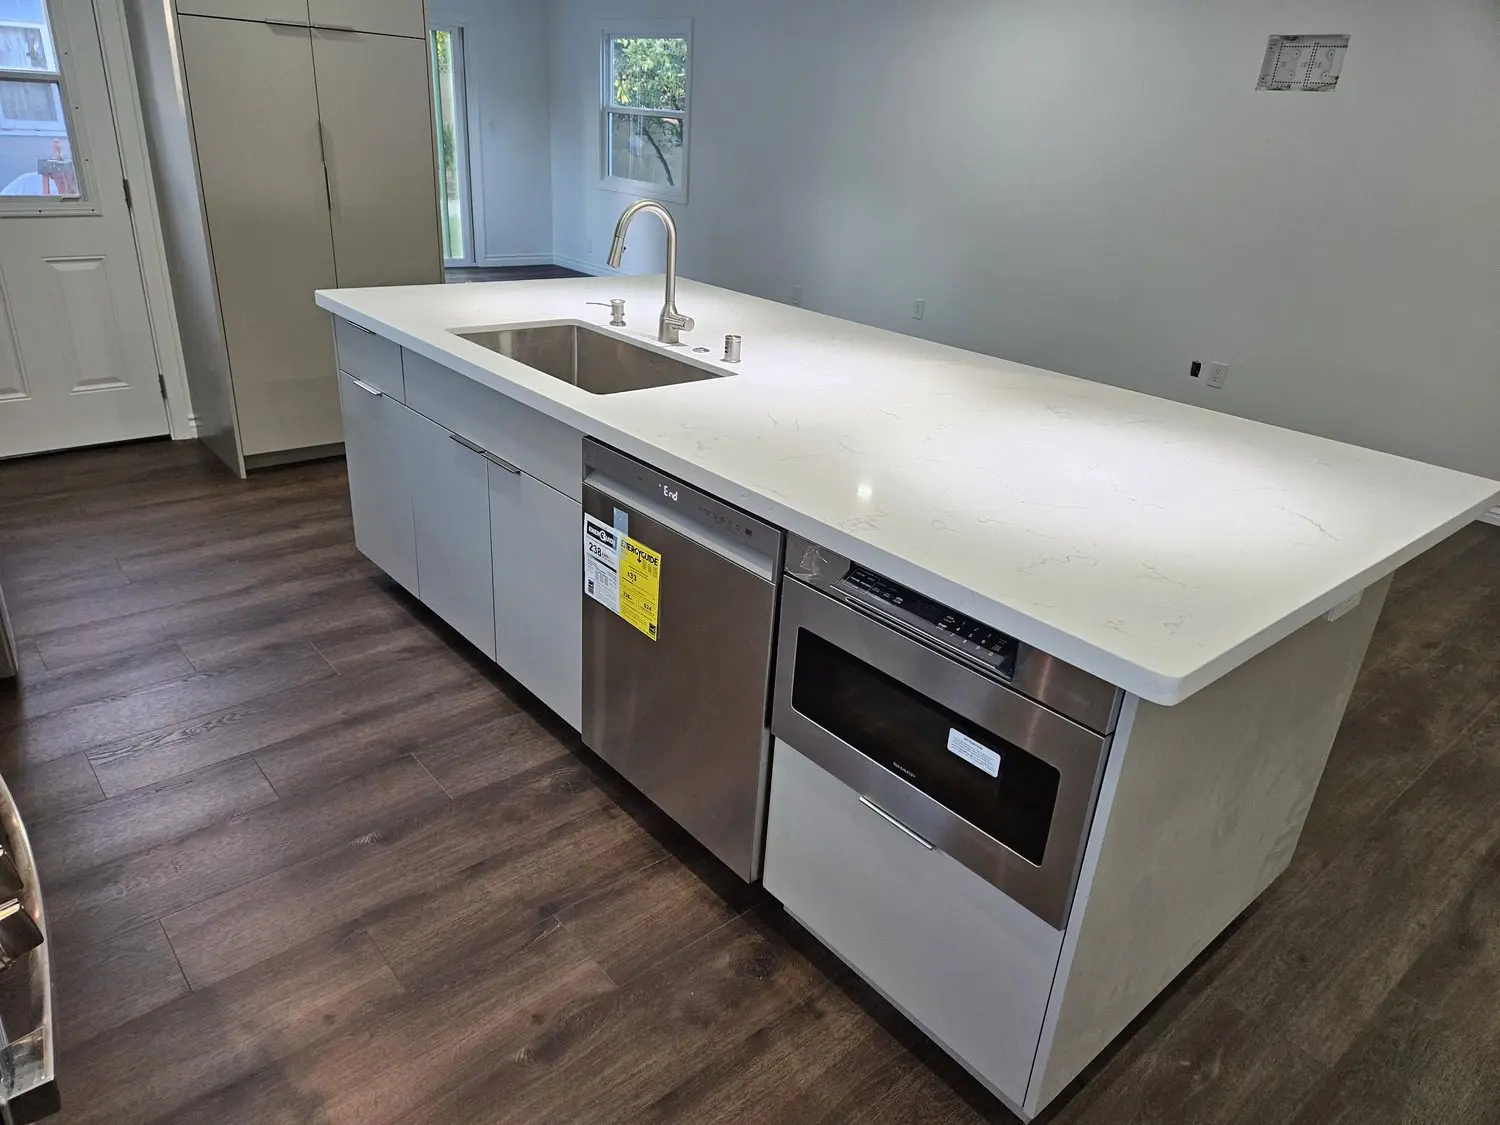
[{"x": 1201, "y": 808}]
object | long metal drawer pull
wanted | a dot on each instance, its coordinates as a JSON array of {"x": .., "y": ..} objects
[
  {"x": 362, "y": 385},
  {"x": 486, "y": 454},
  {"x": 350, "y": 323},
  {"x": 880, "y": 812}
]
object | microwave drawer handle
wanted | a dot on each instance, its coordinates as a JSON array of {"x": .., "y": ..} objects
[
  {"x": 880, "y": 812},
  {"x": 937, "y": 644}
]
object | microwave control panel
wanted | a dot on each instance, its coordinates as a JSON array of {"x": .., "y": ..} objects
[{"x": 974, "y": 639}]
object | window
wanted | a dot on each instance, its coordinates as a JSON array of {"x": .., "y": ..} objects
[
  {"x": 645, "y": 114},
  {"x": 450, "y": 104},
  {"x": 36, "y": 151}
]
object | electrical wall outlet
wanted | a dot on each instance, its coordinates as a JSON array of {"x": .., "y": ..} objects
[
  {"x": 919, "y": 308},
  {"x": 1218, "y": 375},
  {"x": 797, "y": 295}
]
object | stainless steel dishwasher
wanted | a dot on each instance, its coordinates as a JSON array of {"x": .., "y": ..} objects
[{"x": 679, "y": 619}]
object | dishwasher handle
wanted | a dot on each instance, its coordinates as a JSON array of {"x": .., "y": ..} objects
[
  {"x": 719, "y": 526},
  {"x": 627, "y": 501}
]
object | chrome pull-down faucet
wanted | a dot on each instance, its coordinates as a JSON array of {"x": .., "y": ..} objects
[{"x": 673, "y": 323}]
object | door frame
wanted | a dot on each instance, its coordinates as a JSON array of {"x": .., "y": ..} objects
[
  {"x": 145, "y": 216},
  {"x": 471, "y": 208}
]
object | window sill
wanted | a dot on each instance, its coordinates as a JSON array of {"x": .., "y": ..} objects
[{"x": 645, "y": 189}]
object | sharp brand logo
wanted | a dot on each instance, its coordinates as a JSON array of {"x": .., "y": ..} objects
[{"x": 899, "y": 768}]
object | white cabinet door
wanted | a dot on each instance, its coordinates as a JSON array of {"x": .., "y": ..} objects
[
  {"x": 385, "y": 17},
  {"x": 970, "y": 966},
  {"x": 451, "y": 502},
  {"x": 375, "y": 445},
  {"x": 537, "y": 533},
  {"x": 374, "y": 99},
  {"x": 267, "y": 207}
]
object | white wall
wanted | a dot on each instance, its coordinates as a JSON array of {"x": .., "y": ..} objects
[
  {"x": 506, "y": 45},
  {"x": 1094, "y": 186}
]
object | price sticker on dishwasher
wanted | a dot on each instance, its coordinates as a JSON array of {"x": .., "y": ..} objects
[
  {"x": 975, "y": 753},
  {"x": 622, "y": 575}
]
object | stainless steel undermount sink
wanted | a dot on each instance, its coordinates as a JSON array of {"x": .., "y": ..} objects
[{"x": 592, "y": 361}]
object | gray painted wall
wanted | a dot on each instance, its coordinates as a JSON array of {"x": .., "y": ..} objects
[{"x": 1094, "y": 186}]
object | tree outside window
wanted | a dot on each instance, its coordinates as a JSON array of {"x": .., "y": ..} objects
[{"x": 646, "y": 95}]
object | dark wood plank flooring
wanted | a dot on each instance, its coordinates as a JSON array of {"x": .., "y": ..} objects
[
  {"x": 460, "y": 274},
  {"x": 310, "y": 859}
]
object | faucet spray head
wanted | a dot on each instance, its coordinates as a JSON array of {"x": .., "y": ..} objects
[{"x": 617, "y": 250}]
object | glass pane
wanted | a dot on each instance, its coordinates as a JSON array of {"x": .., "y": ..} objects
[
  {"x": 25, "y": 40},
  {"x": 908, "y": 734},
  {"x": 36, "y": 154},
  {"x": 645, "y": 148},
  {"x": 449, "y": 131},
  {"x": 649, "y": 73}
]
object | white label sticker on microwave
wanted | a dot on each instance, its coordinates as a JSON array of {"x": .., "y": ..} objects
[{"x": 975, "y": 753}]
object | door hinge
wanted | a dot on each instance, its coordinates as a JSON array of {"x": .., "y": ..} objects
[
  {"x": 162, "y": 382},
  {"x": 129, "y": 200}
]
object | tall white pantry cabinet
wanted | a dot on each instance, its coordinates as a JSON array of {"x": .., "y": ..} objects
[{"x": 292, "y": 150}]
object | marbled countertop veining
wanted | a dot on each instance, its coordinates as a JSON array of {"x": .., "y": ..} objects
[{"x": 1155, "y": 544}]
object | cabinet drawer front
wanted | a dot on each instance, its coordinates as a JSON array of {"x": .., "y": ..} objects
[
  {"x": 528, "y": 439},
  {"x": 967, "y": 964},
  {"x": 370, "y": 358}
]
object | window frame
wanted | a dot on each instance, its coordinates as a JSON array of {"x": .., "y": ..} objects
[
  {"x": 643, "y": 29},
  {"x": 69, "y": 129}
]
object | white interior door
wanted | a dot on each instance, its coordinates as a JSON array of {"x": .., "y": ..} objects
[{"x": 77, "y": 362}]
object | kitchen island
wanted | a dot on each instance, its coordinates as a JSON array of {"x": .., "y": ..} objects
[{"x": 1224, "y": 574}]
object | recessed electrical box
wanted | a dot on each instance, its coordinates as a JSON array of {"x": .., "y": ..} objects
[{"x": 1303, "y": 62}]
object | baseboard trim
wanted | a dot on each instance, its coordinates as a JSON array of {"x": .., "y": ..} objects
[
  {"x": 256, "y": 461},
  {"x": 494, "y": 260},
  {"x": 592, "y": 268},
  {"x": 1492, "y": 516}
]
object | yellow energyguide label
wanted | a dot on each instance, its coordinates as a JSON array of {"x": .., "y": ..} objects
[{"x": 640, "y": 586}]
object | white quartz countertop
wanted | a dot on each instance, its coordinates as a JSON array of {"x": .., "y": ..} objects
[{"x": 1154, "y": 544}]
